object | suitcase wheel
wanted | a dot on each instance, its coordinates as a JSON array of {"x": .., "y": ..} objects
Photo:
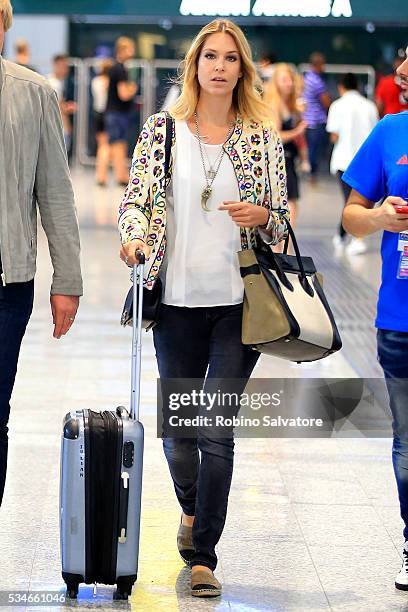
[
  {"x": 124, "y": 588},
  {"x": 72, "y": 581},
  {"x": 72, "y": 591},
  {"x": 121, "y": 595}
]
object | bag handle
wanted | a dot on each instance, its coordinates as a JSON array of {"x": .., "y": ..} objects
[
  {"x": 282, "y": 276},
  {"x": 302, "y": 277},
  {"x": 291, "y": 234}
]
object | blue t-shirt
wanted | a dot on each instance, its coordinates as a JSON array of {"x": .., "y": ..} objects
[{"x": 380, "y": 169}]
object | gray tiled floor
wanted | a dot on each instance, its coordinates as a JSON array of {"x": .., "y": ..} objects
[{"x": 312, "y": 525}]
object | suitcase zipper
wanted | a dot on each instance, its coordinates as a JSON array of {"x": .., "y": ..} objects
[{"x": 124, "y": 505}]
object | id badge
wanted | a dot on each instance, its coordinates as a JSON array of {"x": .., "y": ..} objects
[
  {"x": 402, "y": 240},
  {"x": 402, "y": 273}
]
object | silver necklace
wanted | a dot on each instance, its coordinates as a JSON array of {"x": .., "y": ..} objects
[
  {"x": 213, "y": 170},
  {"x": 211, "y": 166}
]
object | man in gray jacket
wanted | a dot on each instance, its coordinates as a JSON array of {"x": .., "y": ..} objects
[{"x": 33, "y": 172}]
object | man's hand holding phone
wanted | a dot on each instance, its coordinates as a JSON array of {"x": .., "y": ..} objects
[
  {"x": 402, "y": 209},
  {"x": 392, "y": 215}
]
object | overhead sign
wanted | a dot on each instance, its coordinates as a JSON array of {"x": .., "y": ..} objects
[
  {"x": 267, "y": 8},
  {"x": 225, "y": 8},
  {"x": 196, "y": 11}
]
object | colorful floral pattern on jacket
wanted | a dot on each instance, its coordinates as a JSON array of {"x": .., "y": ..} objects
[{"x": 256, "y": 153}]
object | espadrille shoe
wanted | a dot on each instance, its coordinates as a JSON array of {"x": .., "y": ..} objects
[
  {"x": 204, "y": 584},
  {"x": 185, "y": 542}
]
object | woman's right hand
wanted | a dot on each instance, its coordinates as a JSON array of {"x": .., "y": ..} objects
[{"x": 128, "y": 251}]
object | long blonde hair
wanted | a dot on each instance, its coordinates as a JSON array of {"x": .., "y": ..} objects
[
  {"x": 273, "y": 97},
  {"x": 7, "y": 12},
  {"x": 247, "y": 99}
]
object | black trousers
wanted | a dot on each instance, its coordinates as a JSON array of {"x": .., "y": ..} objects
[
  {"x": 205, "y": 344},
  {"x": 16, "y": 304}
]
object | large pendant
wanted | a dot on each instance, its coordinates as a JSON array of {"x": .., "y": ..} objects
[{"x": 205, "y": 197}]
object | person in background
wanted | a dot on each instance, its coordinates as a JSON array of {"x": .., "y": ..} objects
[
  {"x": 120, "y": 108},
  {"x": 266, "y": 66},
  {"x": 350, "y": 120},
  {"x": 304, "y": 165},
  {"x": 99, "y": 88},
  {"x": 388, "y": 94},
  {"x": 58, "y": 80},
  {"x": 282, "y": 94},
  {"x": 317, "y": 102},
  {"x": 22, "y": 53},
  {"x": 378, "y": 171},
  {"x": 35, "y": 178}
]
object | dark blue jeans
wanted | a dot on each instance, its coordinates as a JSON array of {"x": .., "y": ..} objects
[
  {"x": 203, "y": 343},
  {"x": 16, "y": 304},
  {"x": 316, "y": 138},
  {"x": 393, "y": 357}
]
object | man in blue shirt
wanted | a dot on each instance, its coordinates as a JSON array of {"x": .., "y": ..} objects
[
  {"x": 317, "y": 102},
  {"x": 380, "y": 169}
]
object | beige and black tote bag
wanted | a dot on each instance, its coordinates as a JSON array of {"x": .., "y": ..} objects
[{"x": 286, "y": 313}]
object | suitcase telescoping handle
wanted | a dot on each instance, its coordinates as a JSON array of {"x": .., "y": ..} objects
[{"x": 137, "y": 335}]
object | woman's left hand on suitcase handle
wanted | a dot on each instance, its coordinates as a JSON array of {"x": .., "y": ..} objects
[{"x": 128, "y": 251}]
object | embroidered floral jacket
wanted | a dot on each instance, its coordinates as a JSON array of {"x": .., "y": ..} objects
[{"x": 256, "y": 153}]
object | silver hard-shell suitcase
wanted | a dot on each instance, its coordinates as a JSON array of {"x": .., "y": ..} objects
[{"x": 101, "y": 484}]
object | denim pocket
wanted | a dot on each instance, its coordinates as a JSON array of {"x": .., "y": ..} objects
[{"x": 393, "y": 352}]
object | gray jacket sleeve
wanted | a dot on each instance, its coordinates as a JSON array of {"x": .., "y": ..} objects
[{"x": 55, "y": 198}]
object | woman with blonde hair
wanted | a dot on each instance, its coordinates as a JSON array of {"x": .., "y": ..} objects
[
  {"x": 282, "y": 94},
  {"x": 225, "y": 186}
]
